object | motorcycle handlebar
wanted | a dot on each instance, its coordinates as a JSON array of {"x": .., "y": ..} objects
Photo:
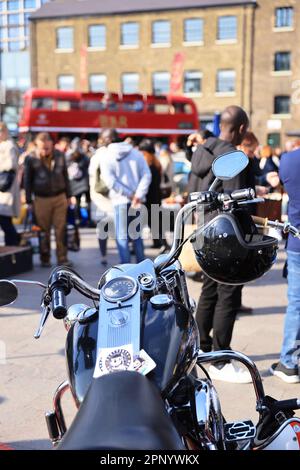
[
  {"x": 243, "y": 194},
  {"x": 58, "y": 303},
  {"x": 285, "y": 227},
  {"x": 61, "y": 281},
  {"x": 293, "y": 404}
]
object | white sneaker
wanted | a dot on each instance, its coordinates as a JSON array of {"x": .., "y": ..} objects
[{"x": 230, "y": 372}]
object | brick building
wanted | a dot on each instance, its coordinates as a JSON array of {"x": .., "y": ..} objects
[
  {"x": 224, "y": 51},
  {"x": 276, "y": 70},
  {"x": 132, "y": 46}
]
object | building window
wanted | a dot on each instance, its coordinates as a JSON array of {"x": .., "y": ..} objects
[
  {"x": 14, "y": 46},
  {"x": 161, "y": 32},
  {"x": 227, "y": 28},
  {"x": 14, "y": 32},
  {"x": 161, "y": 83},
  {"x": 97, "y": 83},
  {"x": 66, "y": 82},
  {"x": 97, "y": 36},
  {"x": 274, "y": 139},
  {"x": 130, "y": 34},
  {"x": 192, "y": 82},
  {"x": 13, "y": 19},
  {"x": 130, "y": 83},
  {"x": 64, "y": 38},
  {"x": 193, "y": 30},
  {"x": 282, "y": 61},
  {"x": 284, "y": 17},
  {"x": 30, "y": 4},
  {"x": 282, "y": 105},
  {"x": 13, "y": 5},
  {"x": 226, "y": 81}
]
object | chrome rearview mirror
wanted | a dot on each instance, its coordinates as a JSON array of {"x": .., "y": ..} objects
[
  {"x": 8, "y": 292},
  {"x": 229, "y": 165}
]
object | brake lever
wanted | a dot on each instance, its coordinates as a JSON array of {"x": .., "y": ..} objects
[
  {"x": 251, "y": 201},
  {"x": 45, "y": 314},
  {"x": 288, "y": 228}
]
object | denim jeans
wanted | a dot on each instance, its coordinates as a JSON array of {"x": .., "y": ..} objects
[
  {"x": 128, "y": 230},
  {"x": 290, "y": 351}
]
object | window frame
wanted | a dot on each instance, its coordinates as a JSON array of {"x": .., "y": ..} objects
[
  {"x": 129, "y": 45},
  {"x": 225, "y": 92},
  {"x": 289, "y": 26},
  {"x": 200, "y": 73},
  {"x": 136, "y": 91},
  {"x": 65, "y": 75},
  {"x": 160, "y": 44},
  {"x": 153, "y": 81},
  {"x": 64, "y": 49},
  {"x": 280, "y": 70},
  {"x": 186, "y": 41},
  {"x": 97, "y": 75},
  {"x": 276, "y": 113},
  {"x": 226, "y": 39},
  {"x": 89, "y": 36}
]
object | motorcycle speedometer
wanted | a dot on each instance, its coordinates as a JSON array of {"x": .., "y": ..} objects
[{"x": 119, "y": 289}]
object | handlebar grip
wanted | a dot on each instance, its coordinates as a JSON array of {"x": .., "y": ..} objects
[
  {"x": 260, "y": 220},
  {"x": 243, "y": 194},
  {"x": 293, "y": 404},
  {"x": 59, "y": 305}
]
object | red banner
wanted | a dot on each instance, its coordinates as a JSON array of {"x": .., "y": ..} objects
[
  {"x": 83, "y": 67},
  {"x": 177, "y": 72}
]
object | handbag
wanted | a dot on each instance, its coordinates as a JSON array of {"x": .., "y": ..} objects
[
  {"x": 165, "y": 187},
  {"x": 6, "y": 180},
  {"x": 31, "y": 234},
  {"x": 100, "y": 186},
  {"x": 72, "y": 236},
  {"x": 187, "y": 257}
]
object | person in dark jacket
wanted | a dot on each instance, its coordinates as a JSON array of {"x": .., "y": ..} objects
[
  {"x": 153, "y": 197},
  {"x": 219, "y": 303},
  {"x": 47, "y": 191}
]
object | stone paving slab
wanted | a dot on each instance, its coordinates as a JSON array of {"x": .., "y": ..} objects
[{"x": 34, "y": 368}]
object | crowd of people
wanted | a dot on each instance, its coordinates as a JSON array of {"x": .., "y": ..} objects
[{"x": 121, "y": 179}]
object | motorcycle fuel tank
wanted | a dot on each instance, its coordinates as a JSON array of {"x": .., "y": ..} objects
[{"x": 168, "y": 334}]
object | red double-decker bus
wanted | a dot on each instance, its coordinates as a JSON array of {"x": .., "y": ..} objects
[{"x": 71, "y": 112}]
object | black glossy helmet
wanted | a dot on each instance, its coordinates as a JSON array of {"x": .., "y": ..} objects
[{"x": 230, "y": 250}]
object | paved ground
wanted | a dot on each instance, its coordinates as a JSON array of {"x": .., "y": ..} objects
[{"x": 34, "y": 368}]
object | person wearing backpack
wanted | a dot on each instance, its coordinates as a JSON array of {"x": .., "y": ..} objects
[
  {"x": 127, "y": 175},
  {"x": 104, "y": 214}
]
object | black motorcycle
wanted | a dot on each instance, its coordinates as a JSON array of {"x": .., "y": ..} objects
[{"x": 133, "y": 357}]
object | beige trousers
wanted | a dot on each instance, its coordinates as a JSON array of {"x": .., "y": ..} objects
[{"x": 52, "y": 211}]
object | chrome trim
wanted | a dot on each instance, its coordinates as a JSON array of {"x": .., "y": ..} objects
[
  {"x": 23, "y": 281},
  {"x": 174, "y": 253},
  {"x": 125, "y": 297},
  {"x": 81, "y": 286},
  {"x": 237, "y": 356},
  {"x": 73, "y": 314},
  {"x": 270, "y": 439},
  {"x": 60, "y": 391},
  {"x": 207, "y": 407}
]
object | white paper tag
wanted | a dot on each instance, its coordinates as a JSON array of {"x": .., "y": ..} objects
[
  {"x": 143, "y": 363},
  {"x": 121, "y": 358},
  {"x": 111, "y": 360}
]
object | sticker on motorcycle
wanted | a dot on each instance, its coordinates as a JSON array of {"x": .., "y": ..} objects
[
  {"x": 111, "y": 360},
  {"x": 143, "y": 363}
]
